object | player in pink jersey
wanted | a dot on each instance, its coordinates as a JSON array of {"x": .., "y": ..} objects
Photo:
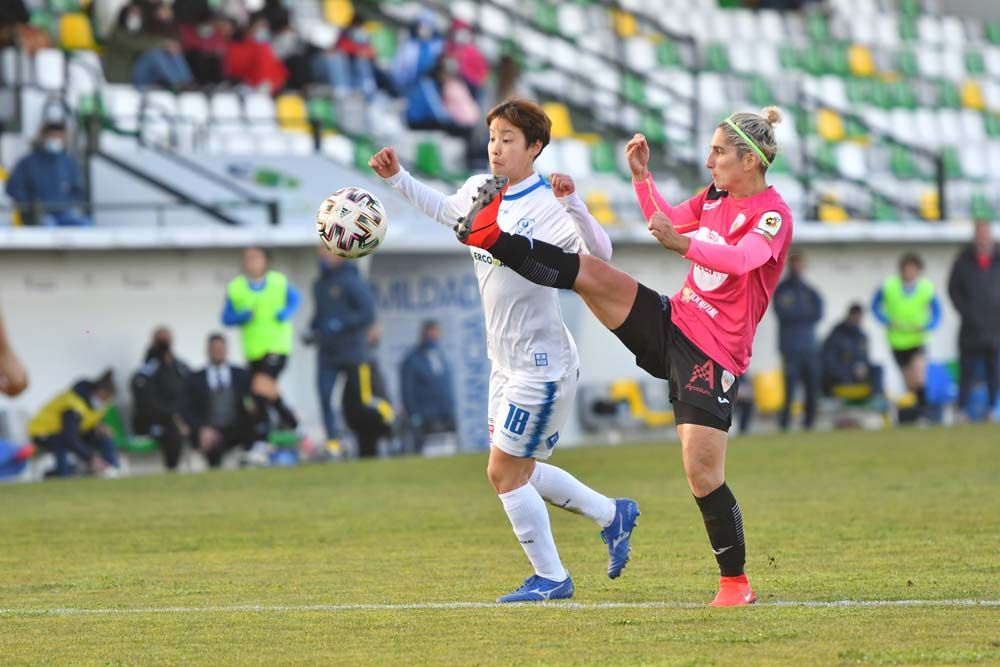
[{"x": 736, "y": 233}]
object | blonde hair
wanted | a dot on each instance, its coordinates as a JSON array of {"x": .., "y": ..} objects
[{"x": 759, "y": 129}]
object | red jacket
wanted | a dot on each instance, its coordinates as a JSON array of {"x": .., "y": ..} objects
[{"x": 254, "y": 63}]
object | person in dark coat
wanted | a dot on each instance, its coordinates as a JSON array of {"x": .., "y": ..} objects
[
  {"x": 221, "y": 413},
  {"x": 845, "y": 355},
  {"x": 799, "y": 308},
  {"x": 367, "y": 409},
  {"x": 159, "y": 390},
  {"x": 344, "y": 311},
  {"x": 974, "y": 288},
  {"x": 426, "y": 383},
  {"x": 46, "y": 184}
]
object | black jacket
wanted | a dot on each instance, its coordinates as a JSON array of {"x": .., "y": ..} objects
[
  {"x": 799, "y": 308},
  {"x": 198, "y": 395},
  {"x": 843, "y": 350},
  {"x": 345, "y": 309},
  {"x": 975, "y": 293},
  {"x": 160, "y": 393}
]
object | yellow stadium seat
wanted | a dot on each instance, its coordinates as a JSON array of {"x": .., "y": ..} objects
[
  {"x": 769, "y": 391},
  {"x": 830, "y": 125},
  {"x": 972, "y": 95},
  {"x": 624, "y": 23},
  {"x": 291, "y": 112},
  {"x": 832, "y": 212},
  {"x": 600, "y": 207},
  {"x": 75, "y": 33},
  {"x": 338, "y": 12},
  {"x": 852, "y": 392},
  {"x": 930, "y": 205},
  {"x": 859, "y": 59},
  {"x": 630, "y": 392},
  {"x": 562, "y": 125}
]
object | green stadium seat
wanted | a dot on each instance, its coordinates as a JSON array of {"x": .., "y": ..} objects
[
  {"x": 908, "y": 29},
  {"x": 952, "y": 163},
  {"x": 982, "y": 207},
  {"x": 284, "y": 439},
  {"x": 321, "y": 112},
  {"x": 974, "y": 63},
  {"x": 717, "y": 58},
  {"x": 429, "y": 159},
  {"x": 789, "y": 57},
  {"x": 813, "y": 61},
  {"x": 817, "y": 27},
  {"x": 881, "y": 95},
  {"x": 652, "y": 127},
  {"x": 826, "y": 158},
  {"x": 992, "y": 121},
  {"x": 859, "y": 91},
  {"x": 901, "y": 163},
  {"x": 668, "y": 54},
  {"x": 138, "y": 444},
  {"x": 384, "y": 42},
  {"x": 547, "y": 18},
  {"x": 948, "y": 95},
  {"x": 760, "y": 91},
  {"x": 903, "y": 94},
  {"x": 837, "y": 60},
  {"x": 993, "y": 32},
  {"x": 602, "y": 158},
  {"x": 779, "y": 165},
  {"x": 906, "y": 63},
  {"x": 883, "y": 211},
  {"x": 364, "y": 148},
  {"x": 910, "y": 8},
  {"x": 633, "y": 89}
]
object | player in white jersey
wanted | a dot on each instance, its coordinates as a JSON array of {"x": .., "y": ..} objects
[{"x": 534, "y": 359}]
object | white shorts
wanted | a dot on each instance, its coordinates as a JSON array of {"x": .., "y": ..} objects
[{"x": 525, "y": 417}]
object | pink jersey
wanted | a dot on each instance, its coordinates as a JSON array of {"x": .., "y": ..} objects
[{"x": 728, "y": 288}]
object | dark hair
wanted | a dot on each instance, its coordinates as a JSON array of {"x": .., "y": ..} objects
[
  {"x": 259, "y": 248},
  {"x": 911, "y": 258},
  {"x": 427, "y": 325},
  {"x": 106, "y": 382},
  {"x": 855, "y": 309},
  {"x": 214, "y": 336},
  {"x": 525, "y": 115}
]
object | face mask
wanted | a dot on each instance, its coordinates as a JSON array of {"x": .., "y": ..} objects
[
  {"x": 463, "y": 37},
  {"x": 53, "y": 145},
  {"x": 133, "y": 23},
  {"x": 261, "y": 35}
]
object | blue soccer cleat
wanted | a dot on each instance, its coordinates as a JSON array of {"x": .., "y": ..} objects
[
  {"x": 540, "y": 589},
  {"x": 618, "y": 536}
]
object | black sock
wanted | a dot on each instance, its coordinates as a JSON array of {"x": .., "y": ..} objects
[
  {"x": 921, "y": 398},
  {"x": 724, "y": 524},
  {"x": 541, "y": 263}
]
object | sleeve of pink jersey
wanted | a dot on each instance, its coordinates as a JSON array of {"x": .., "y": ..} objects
[
  {"x": 753, "y": 251},
  {"x": 685, "y": 217}
]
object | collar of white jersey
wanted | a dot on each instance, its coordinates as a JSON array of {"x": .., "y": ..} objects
[{"x": 525, "y": 187}]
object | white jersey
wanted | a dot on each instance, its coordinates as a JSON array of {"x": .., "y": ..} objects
[{"x": 525, "y": 334}]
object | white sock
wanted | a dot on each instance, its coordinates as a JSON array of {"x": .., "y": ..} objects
[
  {"x": 530, "y": 520},
  {"x": 563, "y": 490}
]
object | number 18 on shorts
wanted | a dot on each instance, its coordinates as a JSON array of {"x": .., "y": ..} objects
[{"x": 526, "y": 417}]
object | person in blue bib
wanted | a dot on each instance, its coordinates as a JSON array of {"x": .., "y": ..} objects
[{"x": 262, "y": 302}]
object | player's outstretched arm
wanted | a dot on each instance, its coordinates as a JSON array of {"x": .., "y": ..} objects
[
  {"x": 435, "y": 205},
  {"x": 13, "y": 377},
  {"x": 595, "y": 240},
  {"x": 684, "y": 217}
]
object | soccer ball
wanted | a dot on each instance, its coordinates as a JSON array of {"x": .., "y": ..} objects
[{"x": 351, "y": 222}]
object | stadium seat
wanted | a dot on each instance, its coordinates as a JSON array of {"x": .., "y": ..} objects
[
  {"x": 830, "y": 125},
  {"x": 321, "y": 112},
  {"x": 599, "y": 205},
  {"x": 139, "y": 444},
  {"x": 768, "y": 391},
  {"x": 338, "y": 12},
  {"x": 259, "y": 109},
  {"x": 972, "y": 95},
  {"x": 291, "y": 112},
  {"x": 49, "y": 65},
  {"x": 122, "y": 103},
  {"x": 860, "y": 60},
  {"x": 75, "y": 32},
  {"x": 430, "y": 161},
  {"x": 562, "y": 125},
  {"x": 930, "y": 205},
  {"x": 226, "y": 109},
  {"x": 624, "y": 23},
  {"x": 630, "y": 392},
  {"x": 338, "y": 148}
]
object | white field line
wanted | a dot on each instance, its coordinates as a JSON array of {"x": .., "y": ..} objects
[{"x": 444, "y": 606}]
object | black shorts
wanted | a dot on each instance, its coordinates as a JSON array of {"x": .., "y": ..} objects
[
  {"x": 701, "y": 391},
  {"x": 270, "y": 364},
  {"x": 904, "y": 357}
]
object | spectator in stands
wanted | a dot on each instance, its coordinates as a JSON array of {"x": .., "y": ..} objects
[
  {"x": 17, "y": 31},
  {"x": 13, "y": 377},
  {"x": 344, "y": 311},
  {"x": 46, "y": 184},
  {"x": 160, "y": 395},
  {"x": 441, "y": 101},
  {"x": 251, "y": 60},
  {"x": 974, "y": 288},
  {"x": 418, "y": 55},
  {"x": 349, "y": 66},
  {"x": 71, "y": 423},
  {"x": 221, "y": 411},
  {"x": 367, "y": 409},
  {"x": 142, "y": 50},
  {"x": 472, "y": 64},
  {"x": 799, "y": 308},
  {"x": 205, "y": 41},
  {"x": 845, "y": 356},
  {"x": 508, "y": 80},
  {"x": 262, "y": 302},
  {"x": 426, "y": 385},
  {"x": 909, "y": 308}
]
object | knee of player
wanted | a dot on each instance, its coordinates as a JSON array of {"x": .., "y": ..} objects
[{"x": 703, "y": 480}]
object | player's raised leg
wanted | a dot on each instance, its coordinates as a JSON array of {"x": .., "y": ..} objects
[{"x": 704, "y": 452}]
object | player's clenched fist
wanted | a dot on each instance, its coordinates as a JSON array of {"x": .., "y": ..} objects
[
  {"x": 385, "y": 163},
  {"x": 562, "y": 185},
  {"x": 637, "y": 152}
]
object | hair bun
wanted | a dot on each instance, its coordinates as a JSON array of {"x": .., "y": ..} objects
[{"x": 772, "y": 115}]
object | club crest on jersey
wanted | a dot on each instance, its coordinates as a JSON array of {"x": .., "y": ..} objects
[
  {"x": 769, "y": 224},
  {"x": 525, "y": 227},
  {"x": 727, "y": 381},
  {"x": 737, "y": 223}
]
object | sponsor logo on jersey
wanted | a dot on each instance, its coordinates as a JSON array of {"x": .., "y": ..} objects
[
  {"x": 688, "y": 295},
  {"x": 709, "y": 205},
  {"x": 769, "y": 224},
  {"x": 704, "y": 373},
  {"x": 541, "y": 359},
  {"x": 480, "y": 256},
  {"x": 706, "y": 279},
  {"x": 551, "y": 441},
  {"x": 727, "y": 381}
]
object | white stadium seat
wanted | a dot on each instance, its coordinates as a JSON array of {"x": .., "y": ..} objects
[{"x": 49, "y": 69}]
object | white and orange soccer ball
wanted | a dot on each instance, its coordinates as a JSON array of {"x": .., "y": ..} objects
[{"x": 351, "y": 222}]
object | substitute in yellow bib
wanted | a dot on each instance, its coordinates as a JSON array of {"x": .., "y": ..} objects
[
  {"x": 909, "y": 308},
  {"x": 262, "y": 302},
  {"x": 71, "y": 423}
]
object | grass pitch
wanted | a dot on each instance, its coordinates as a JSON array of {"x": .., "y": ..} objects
[{"x": 258, "y": 567}]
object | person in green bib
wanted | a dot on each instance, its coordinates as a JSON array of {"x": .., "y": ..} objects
[
  {"x": 261, "y": 302},
  {"x": 909, "y": 308}
]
